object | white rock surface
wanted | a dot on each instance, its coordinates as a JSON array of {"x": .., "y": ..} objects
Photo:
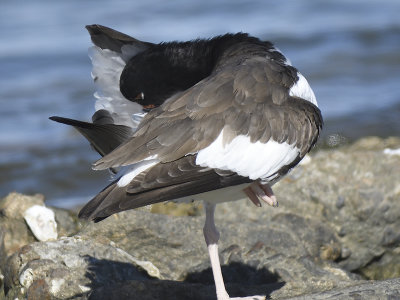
[
  {"x": 41, "y": 221},
  {"x": 389, "y": 151},
  {"x": 26, "y": 278}
]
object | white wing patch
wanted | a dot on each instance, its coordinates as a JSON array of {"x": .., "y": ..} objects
[
  {"x": 135, "y": 170},
  {"x": 107, "y": 68},
  {"x": 253, "y": 160},
  {"x": 303, "y": 90}
]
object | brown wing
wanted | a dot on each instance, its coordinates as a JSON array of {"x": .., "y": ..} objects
[
  {"x": 250, "y": 96},
  {"x": 162, "y": 182}
]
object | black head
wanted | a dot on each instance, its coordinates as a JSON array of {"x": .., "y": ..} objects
[
  {"x": 154, "y": 75},
  {"x": 162, "y": 70}
]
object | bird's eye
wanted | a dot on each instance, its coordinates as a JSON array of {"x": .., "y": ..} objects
[{"x": 140, "y": 96}]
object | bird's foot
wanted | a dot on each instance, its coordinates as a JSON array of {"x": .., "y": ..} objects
[
  {"x": 245, "y": 298},
  {"x": 258, "y": 191},
  {"x": 223, "y": 295}
]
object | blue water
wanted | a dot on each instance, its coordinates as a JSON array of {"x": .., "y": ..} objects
[{"x": 348, "y": 50}]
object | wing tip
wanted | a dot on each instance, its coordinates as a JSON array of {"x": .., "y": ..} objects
[
  {"x": 96, "y": 28},
  {"x": 66, "y": 121},
  {"x": 85, "y": 215},
  {"x": 99, "y": 164},
  {"x": 76, "y": 123},
  {"x": 92, "y": 211},
  {"x": 56, "y": 119},
  {"x": 108, "y": 38},
  {"x": 90, "y": 217}
]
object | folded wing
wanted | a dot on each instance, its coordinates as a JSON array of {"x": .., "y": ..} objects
[{"x": 250, "y": 99}]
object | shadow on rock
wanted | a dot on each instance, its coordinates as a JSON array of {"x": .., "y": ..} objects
[
  {"x": 241, "y": 280},
  {"x": 235, "y": 272},
  {"x": 99, "y": 271}
]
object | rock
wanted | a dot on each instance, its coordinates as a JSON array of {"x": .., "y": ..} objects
[
  {"x": 356, "y": 191},
  {"x": 172, "y": 290},
  {"x": 41, "y": 222},
  {"x": 69, "y": 267},
  {"x": 67, "y": 221},
  {"x": 14, "y": 205},
  {"x": 143, "y": 234},
  {"x": 2, "y": 295},
  {"x": 336, "y": 227},
  {"x": 14, "y": 231},
  {"x": 149, "y": 290},
  {"x": 174, "y": 249},
  {"x": 386, "y": 289}
]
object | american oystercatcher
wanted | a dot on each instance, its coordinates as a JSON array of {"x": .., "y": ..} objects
[{"x": 214, "y": 120}]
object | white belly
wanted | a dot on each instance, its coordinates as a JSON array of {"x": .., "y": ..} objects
[
  {"x": 254, "y": 160},
  {"x": 231, "y": 193}
]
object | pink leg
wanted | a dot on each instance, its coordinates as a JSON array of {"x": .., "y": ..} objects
[{"x": 211, "y": 236}]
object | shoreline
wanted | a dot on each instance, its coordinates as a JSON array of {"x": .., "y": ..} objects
[{"x": 334, "y": 232}]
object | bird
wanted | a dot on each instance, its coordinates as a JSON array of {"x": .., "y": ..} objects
[{"x": 213, "y": 120}]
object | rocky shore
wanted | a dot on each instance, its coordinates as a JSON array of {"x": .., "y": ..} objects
[{"x": 335, "y": 235}]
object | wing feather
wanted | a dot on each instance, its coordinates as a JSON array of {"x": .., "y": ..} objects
[
  {"x": 192, "y": 120},
  {"x": 162, "y": 182}
]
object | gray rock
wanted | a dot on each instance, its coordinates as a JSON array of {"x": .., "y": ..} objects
[
  {"x": 149, "y": 290},
  {"x": 172, "y": 290},
  {"x": 68, "y": 267},
  {"x": 356, "y": 191},
  {"x": 252, "y": 256},
  {"x": 385, "y": 290},
  {"x": 2, "y": 295},
  {"x": 338, "y": 218},
  {"x": 14, "y": 232}
]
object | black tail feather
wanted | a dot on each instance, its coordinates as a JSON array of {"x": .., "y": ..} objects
[
  {"x": 104, "y": 138},
  {"x": 107, "y": 38}
]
